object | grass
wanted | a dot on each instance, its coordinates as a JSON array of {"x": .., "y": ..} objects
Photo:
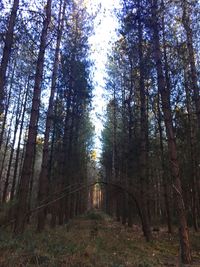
[{"x": 93, "y": 240}]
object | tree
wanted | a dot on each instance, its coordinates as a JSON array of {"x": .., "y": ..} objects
[
  {"x": 166, "y": 106},
  {"x": 43, "y": 179},
  {"x": 193, "y": 71},
  {"x": 7, "y": 52},
  {"x": 32, "y": 134}
]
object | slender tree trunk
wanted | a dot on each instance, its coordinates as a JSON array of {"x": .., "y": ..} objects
[
  {"x": 22, "y": 159},
  {"x": 7, "y": 105},
  {"x": 164, "y": 174},
  {"x": 7, "y": 53},
  {"x": 66, "y": 151},
  {"x": 114, "y": 148},
  {"x": 32, "y": 134},
  {"x": 71, "y": 146},
  {"x": 193, "y": 77},
  {"x": 17, "y": 114},
  {"x": 6, "y": 146},
  {"x": 143, "y": 133},
  {"x": 114, "y": 138},
  {"x": 43, "y": 178},
  {"x": 30, "y": 191},
  {"x": 130, "y": 137},
  {"x": 193, "y": 160},
  {"x": 166, "y": 107},
  {"x": 54, "y": 152},
  {"x": 187, "y": 25},
  {"x": 168, "y": 85},
  {"x": 123, "y": 161},
  {"x": 13, "y": 187}
]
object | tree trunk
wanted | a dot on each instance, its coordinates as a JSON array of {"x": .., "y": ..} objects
[
  {"x": 7, "y": 105},
  {"x": 164, "y": 174},
  {"x": 6, "y": 146},
  {"x": 193, "y": 160},
  {"x": 66, "y": 149},
  {"x": 193, "y": 77},
  {"x": 166, "y": 107},
  {"x": 32, "y": 134},
  {"x": 187, "y": 25},
  {"x": 43, "y": 178},
  {"x": 7, "y": 53},
  {"x": 17, "y": 115},
  {"x": 19, "y": 142},
  {"x": 143, "y": 132}
]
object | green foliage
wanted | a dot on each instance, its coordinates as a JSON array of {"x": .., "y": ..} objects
[{"x": 94, "y": 216}]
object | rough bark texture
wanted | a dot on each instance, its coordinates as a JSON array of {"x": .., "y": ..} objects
[
  {"x": 32, "y": 133},
  {"x": 166, "y": 107}
]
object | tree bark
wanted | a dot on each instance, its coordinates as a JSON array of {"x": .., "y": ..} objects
[{"x": 7, "y": 53}]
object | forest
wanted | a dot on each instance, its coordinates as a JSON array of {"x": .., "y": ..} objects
[{"x": 138, "y": 203}]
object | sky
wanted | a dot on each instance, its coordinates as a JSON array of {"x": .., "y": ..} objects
[{"x": 105, "y": 26}]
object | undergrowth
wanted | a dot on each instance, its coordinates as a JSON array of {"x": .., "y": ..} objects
[{"x": 93, "y": 240}]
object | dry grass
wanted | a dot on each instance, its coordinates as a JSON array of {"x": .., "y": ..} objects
[{"x": 92, "y": 241}]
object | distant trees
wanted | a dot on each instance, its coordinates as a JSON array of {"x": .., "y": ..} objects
[{"x": 73, "y": 131}]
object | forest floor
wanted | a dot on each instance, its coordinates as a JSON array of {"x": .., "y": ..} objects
[{"x": 93, "y": 240}]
